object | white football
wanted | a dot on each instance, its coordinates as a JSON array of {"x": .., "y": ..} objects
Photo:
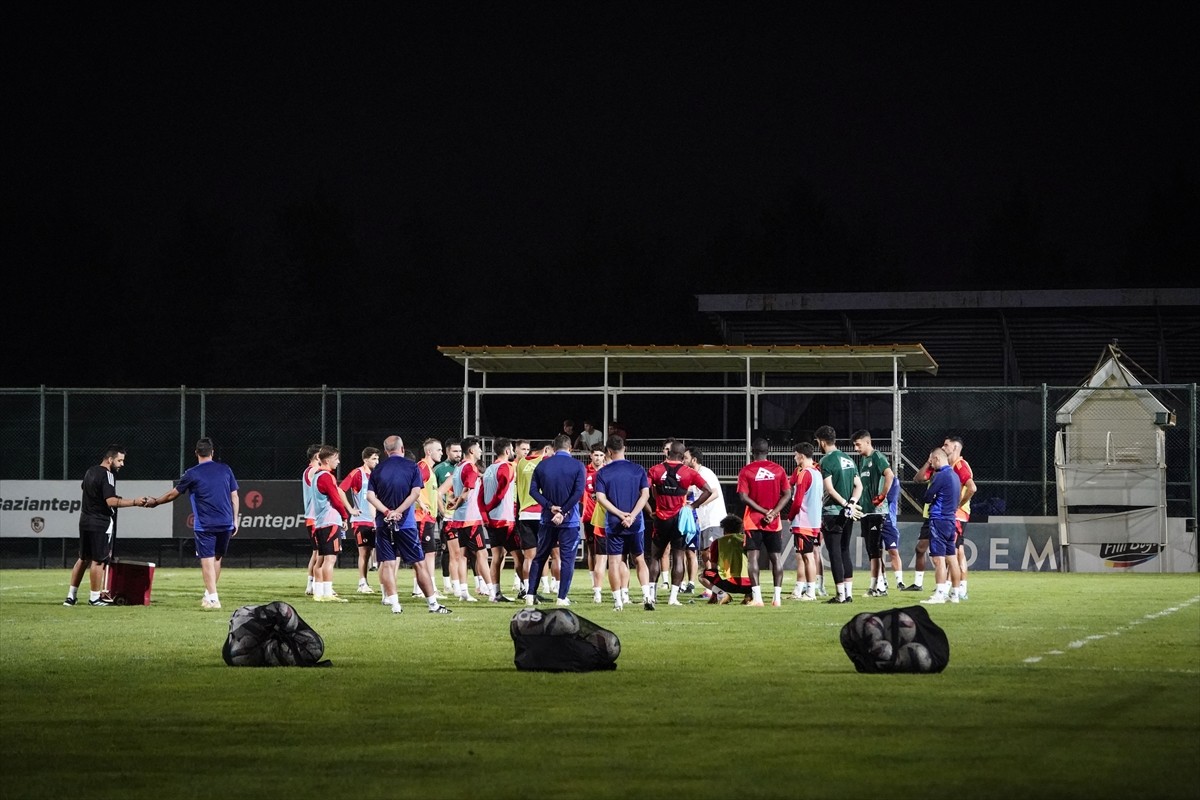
[
  {"x": 881, "y": 651},
  {"x": 607, "y": 643},
  {"x": 914, "y": 657},
  {"x": 561, "y": 623},
  {"x": 906, "y": 628},
  {"x": 873, "y": 628}
]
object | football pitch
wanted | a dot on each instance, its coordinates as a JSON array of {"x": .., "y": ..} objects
[{"x": 1059, "y": 686}]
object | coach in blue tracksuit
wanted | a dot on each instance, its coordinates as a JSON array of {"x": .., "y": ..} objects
[
  {"x": 558, "y": 486},
  {"x": 943, "y": 498}
]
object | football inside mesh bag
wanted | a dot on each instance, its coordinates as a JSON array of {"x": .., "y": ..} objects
[
  {"x": 272, "y": 635},
  {"x": 559, "y": 640},
  {"x": 896, "y": 640}
]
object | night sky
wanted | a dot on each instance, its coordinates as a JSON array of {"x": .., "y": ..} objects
[{"x": 295, "y": 195}]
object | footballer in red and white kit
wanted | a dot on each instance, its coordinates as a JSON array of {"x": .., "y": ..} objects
[
  {"x": 765, "y": 490},
  {"x": 669, "y": 484}
]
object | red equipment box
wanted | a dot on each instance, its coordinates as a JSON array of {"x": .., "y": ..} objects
[{"x": 128, "y": 582}]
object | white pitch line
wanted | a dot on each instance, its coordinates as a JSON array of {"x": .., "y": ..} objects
[{"x": 1095, "y": 637}]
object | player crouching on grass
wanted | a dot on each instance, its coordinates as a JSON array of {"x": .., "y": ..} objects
[{"x": 727, "y": 575}]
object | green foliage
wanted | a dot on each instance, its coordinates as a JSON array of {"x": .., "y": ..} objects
[{"x": 1059, "y": 686}]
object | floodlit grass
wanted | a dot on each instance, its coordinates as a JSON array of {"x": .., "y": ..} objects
[{"x": 1059, "y": 686}]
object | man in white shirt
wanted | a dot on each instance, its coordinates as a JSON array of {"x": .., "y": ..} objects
[{"x": 708, "y": 515}]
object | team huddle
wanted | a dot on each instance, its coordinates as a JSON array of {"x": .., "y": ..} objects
[{"x": 539, "y": 506}]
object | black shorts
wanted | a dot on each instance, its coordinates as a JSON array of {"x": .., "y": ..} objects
[
  {"x": 527, "y": 532},
  {"x": 427, "y": 533},
  {"x": 506, "y": 538},
  {"x": 872, "y": 533},
  {"x": 805, "y": 544},
  {"x": 472, "y": 539},
  {"x": 666, "y": 532},
  {"x": 329, "y": 540},
  {"x": 924, "y": 530},
  {"x": 962, "y": 531},
  {"x": 95, "y": 543},
  {"x": 364, "y": 536},
  {"x": 771, "y": 541}
]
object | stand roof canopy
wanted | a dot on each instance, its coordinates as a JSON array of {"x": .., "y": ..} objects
[{"x": 693, "y": 358}]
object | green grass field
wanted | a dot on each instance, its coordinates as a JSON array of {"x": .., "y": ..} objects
[{"x": 1059, "y": 686}]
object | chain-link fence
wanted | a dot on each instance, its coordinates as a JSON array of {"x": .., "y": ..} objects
[{"x": 1008, "y": 432}]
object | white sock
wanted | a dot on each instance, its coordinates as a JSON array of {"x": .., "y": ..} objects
[
  {"x": 674, "y": 593},
  {"x": 328, "y": 588},
  {"x": 647, "y": 591},
  {"x": 72, "y": 592},
  {"x": 962, "y": 588},
  {"x": 363, "y": 582},
  {"x": 918, "y": 579},
  {"x": 943, "y": 588},
  {"x": 432, "y": 602},
  {"x": 899, "y": 576},
  {"x": 310, "y": 583},
  {"x": 625, "y": 594},
  {"x": 778, "y": 593},
  {"x": 93, "y": 596},
  {"x": 849, "y": 588},
  {"x": 756, "y": 593}
]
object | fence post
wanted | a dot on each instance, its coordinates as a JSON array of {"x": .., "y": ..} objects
[{"x": 1045, "y": 445}]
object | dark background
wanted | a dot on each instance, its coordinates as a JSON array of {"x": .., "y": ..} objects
[{"x": 297, "y": 195}]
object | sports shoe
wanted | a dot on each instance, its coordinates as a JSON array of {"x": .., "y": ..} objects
[
  {"x": 70, "y": 601},
  {"x": 648, "y": 605},
  {"x": 912, "y": 587},
  {"x": 689, "y": 589},
  {"x": 597, "y": 599},
  {"x": 962, "y": 596},
  {"x": 562, "y": 602},
  {"x": 808, "y": 597},
  {"x": 822, "y": 593},
  {"x": 467, "y": 597},
  {"x": 796, "y": 596},
  {"x": 365, "y": 589},
  {"x": 755, "y": 603},
  {"x": 541, "y": 599},
  {"x": 937, "y": 598},
  {"x": 210, "y": 605},
  {"x": 331, "y": 598},
  {"x": 397, "y": 608},
  {"x": 499, "y": 598},
  {"x": 440, "y": 609},
  {"x": 414, "y": 594},
  {"x": 835, "y": 600},
  {"x": 900, "y": 587},
  {"x": 618, "y": 606},
  {"x": 308, "y": 592},
  {"x": 776, "y": 603},
  {"x": 100, "y": 601},
  {"x": 521, "y": 594},
  {"x": 674, "y": 603},
  {"x": 714, "y": 599},
  {"x": 724, "y": 599},
  {"x": 954, "y": 598}
]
